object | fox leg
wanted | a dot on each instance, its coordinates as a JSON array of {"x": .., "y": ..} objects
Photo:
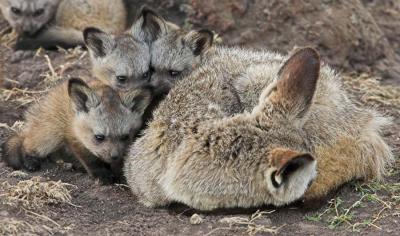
[
  {"x": 25, "y": 149},
  {"x": 94, "y": 167}
]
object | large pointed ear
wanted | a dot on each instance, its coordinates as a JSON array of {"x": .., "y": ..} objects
[
  {"x": 297, "y": 82},
  {"x": 199, "y": 41},
  {"x": 98, "y": 42},
  {"x": 137, "y": 100},
  {"x": 83, "y": 97},
  {"x": 288, "y": 162},
  {"x": 148, "y": 26}
]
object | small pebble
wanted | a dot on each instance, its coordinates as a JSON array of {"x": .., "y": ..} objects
[{"x": 196, "y": 219}]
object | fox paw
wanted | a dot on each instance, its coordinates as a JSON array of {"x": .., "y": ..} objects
[
  {"x": 31, "y": 163},
  {"x": 105, "y": 176}
]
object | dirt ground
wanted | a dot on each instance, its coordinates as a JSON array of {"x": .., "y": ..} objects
[{"x": 64, "y": 201}]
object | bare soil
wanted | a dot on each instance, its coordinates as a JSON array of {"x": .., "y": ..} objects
[{"x": 361, "y": 36}]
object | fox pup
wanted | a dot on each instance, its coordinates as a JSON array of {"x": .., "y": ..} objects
[
  {"x": 91, "y": 120},
  {"x": 252, "y": 127},
  {"x": 121, "y": 62},
  {"x": 50, "y": 23},
  {"x": 175, "y": 52},
  {"x": 124, "y": 62}
]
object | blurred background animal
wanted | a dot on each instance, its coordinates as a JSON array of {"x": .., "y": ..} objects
[{"x": 51, "y": 23}]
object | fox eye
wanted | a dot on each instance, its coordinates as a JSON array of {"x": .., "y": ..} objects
[
  {"x": 146, "y": 75},
  {"x": 99, "y": 137},
  {"x": 16, "y": 11},
  {"x": 122, "y": 79},
  {"x": 124, "y": 137},
  {"x": 38, "y": 12},
  {"x": 174, "y": 73}
]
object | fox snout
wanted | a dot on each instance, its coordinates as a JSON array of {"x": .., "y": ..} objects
[{"x": 27, "y": 29}]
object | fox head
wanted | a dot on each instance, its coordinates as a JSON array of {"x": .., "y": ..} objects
[
  {"x": 106, "y": 120},
  {"x": 283, "y": 109},
  {"x": 27, "y": 17},
  {"x": 122, "y": 62},
  {"x": 155, "y": 52},
  {"x": 174, "y": 52},
  {"x": 176, "y": 55}
]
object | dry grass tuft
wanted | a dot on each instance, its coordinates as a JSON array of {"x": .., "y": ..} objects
[
  {"x": 253, "y": 224},
  {"x": 73, "y": 57},
  {"x": 18, "y": 174},
  {"x": 36, "y": 225},
  {"x": 15, "y": 227},
  {"x": 55, "y": 74},
  {"x": 35, "y": 193},
  {"x": 372, "y": 92},
  {"x": 8, "y": 37},
  {"x": 21, "y": 96},
  {"x": 17, "y": 126}
]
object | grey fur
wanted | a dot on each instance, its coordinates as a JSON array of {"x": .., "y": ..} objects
[
  {"x": 25, "y": 21},
  {"x": 201, "y": 149},
  {"x": 115, "y": 56}
]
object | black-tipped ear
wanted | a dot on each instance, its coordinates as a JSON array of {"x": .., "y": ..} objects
[
  {"x": 98, "y": 42},
  {"x": 137, "y": 101},
  {"x": 287, "y": 162},
  {"x": 294, "y": 164},
  {"x": 297, "y": 81},
  {"x": 148, "y": 26},
  {"x": 81, "y": 95},
  {"x": 199, "y": 41}
]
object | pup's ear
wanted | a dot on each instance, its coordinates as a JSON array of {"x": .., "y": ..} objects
[
  {"x": 137, "y": 100},
  {"x": 199, "y": 41},
  {"x": 82, "y": 96},
  {"x": 148, "y": 26},
  {"x": 99, "y": 43}
]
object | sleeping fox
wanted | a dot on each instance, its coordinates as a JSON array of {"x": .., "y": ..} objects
[
  {"x": 249, "y": 128},
  {"x": 51, "y": 23}
]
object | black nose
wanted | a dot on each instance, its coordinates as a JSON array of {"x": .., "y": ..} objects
[{"x": 115, "y": 158}]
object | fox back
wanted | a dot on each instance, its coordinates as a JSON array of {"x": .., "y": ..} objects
[{"x": 108, "y": 15}]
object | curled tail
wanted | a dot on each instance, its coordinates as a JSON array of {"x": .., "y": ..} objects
[
  {"x": 12, "y": 151},
  {"x": 366, "y": 157},
  {"x": 376, "y": 155}
]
